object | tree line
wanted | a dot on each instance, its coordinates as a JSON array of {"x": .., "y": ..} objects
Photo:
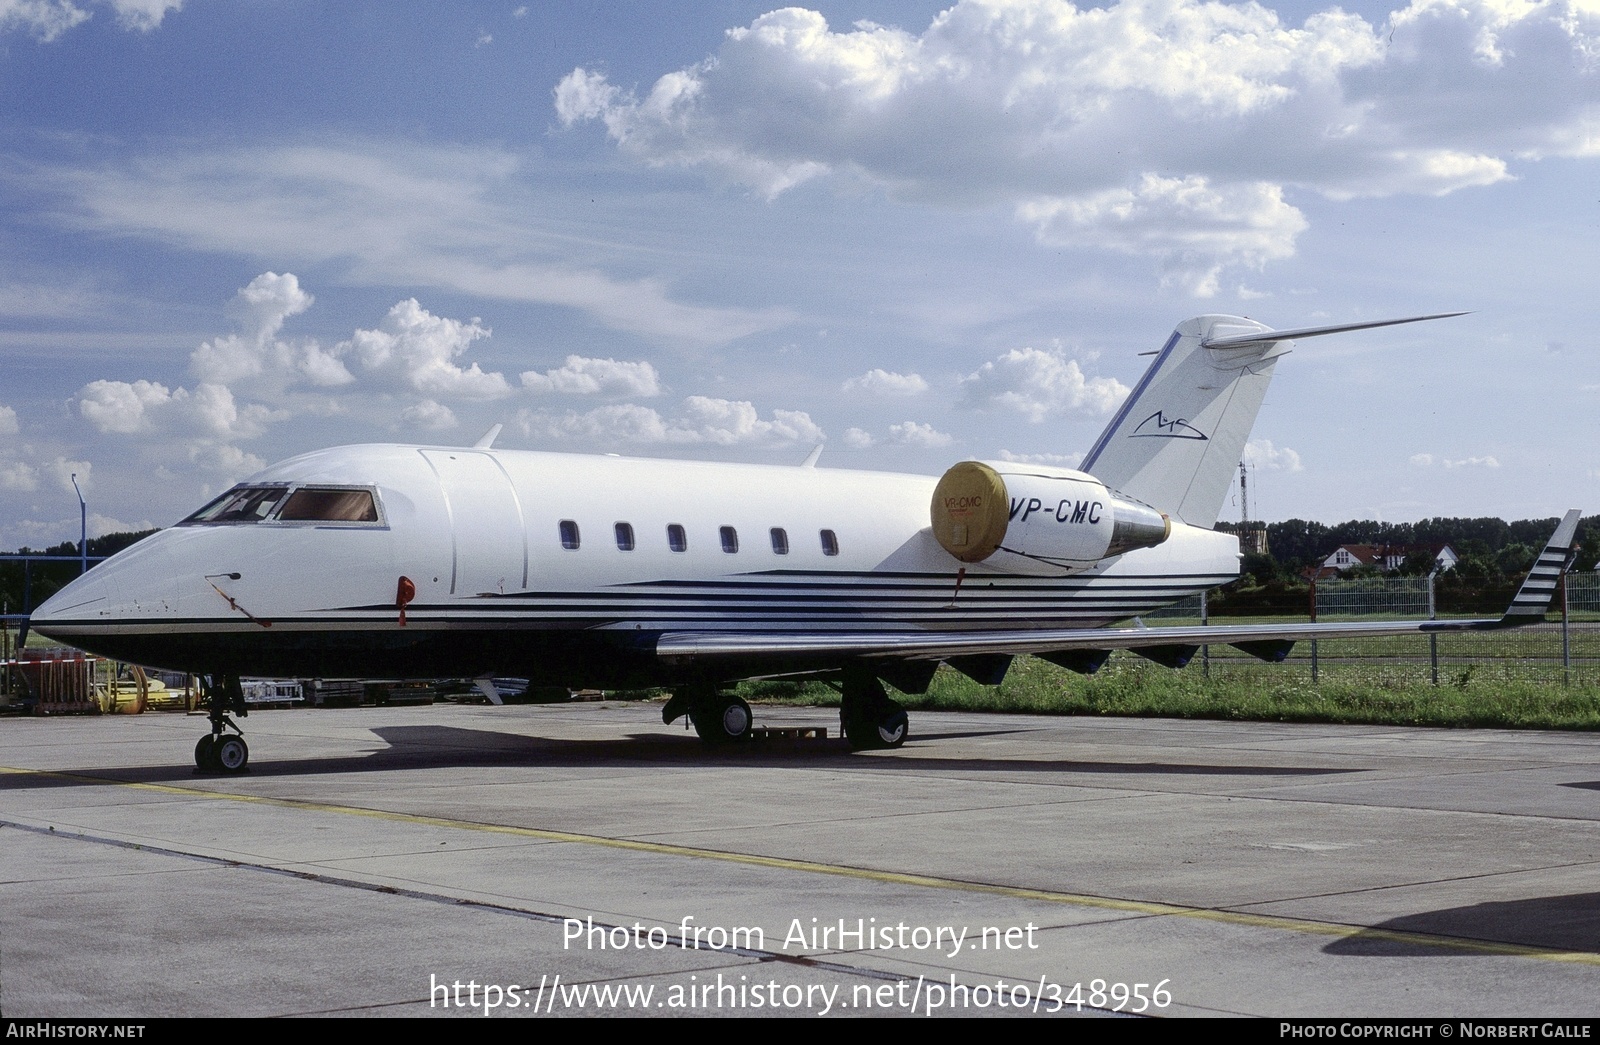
[
  {"x": 44, "y": 579},
  {"x": 1494, "y": 557}
]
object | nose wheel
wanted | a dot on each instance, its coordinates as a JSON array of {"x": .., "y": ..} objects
[{"x": 220, "y": 751}]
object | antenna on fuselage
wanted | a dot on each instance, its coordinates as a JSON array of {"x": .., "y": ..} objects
[{"x": 488, "y": 438}]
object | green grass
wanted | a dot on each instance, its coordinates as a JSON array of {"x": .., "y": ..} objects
[{"x": 1468, "y": 695}]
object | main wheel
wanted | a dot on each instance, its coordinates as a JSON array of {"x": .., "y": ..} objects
[
  {"x": 205, "y": 752},
  {"x": 232, "y": 754},
  {"x": 885, "y": 726},
  {"x": 722, "y": 721}
]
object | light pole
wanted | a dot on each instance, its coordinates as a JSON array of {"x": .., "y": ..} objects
[{"x": 83, "y": 528}]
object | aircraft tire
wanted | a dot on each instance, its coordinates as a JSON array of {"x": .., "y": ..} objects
[
  {"x": 205, "y": 753},
  {"x": 232, "y": 754},
  {"x": 725, "y": 720},
  {"x": 877, "y": 728}
]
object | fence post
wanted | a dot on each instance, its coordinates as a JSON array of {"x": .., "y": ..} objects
[
  {"x": 1313, "y": 620},
  {"x": 1205, "y": 647},
  {"x": 1433, "y": 637},
  {"x": 1566, "y": 638}
]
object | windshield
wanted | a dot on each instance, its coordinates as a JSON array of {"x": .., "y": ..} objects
[{"x": 282, "y": 504}]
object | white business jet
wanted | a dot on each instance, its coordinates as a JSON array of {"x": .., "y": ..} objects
[{"x": 598, "y": 571}]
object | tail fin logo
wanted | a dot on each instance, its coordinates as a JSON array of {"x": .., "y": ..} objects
[{"x": 1156, "y": 426}]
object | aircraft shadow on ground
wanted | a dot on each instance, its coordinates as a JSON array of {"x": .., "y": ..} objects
[
  {"x": 434, "y": 747},
  {"x": 1559, "y": 923}
]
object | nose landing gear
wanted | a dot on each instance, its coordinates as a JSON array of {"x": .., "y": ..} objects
[{"x": 219, "y": 751}]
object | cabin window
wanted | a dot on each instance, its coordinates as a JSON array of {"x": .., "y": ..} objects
[
  {"x": 624, "y": 537},
  {"x": 780, "y": 541},
  {"x": 569, "y": 535},
  {"x": 830, "y": 543},
  {"x": 677, "y": 540},
  {"x": 323, "y": 505},
  {"x": 730, "y": 539}
]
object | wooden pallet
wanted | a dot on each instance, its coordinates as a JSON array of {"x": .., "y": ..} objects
[{"x": 789, "y": 733}]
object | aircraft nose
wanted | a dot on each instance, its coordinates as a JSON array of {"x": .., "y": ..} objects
[{"x": 84, "y": 597}]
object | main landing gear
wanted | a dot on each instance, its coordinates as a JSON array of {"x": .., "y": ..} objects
[
  {"x": 867, "y": 715},
  {"x": 719, "y": 718},
  {"x": 218, "y": 751}
]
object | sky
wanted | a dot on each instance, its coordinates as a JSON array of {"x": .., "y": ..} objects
[{"x": 912, "y": 233}]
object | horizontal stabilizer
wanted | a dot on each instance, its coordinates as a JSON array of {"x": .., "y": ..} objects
[
  {"x": 1268, "y": 337},
  {"x": 1175, "y": 442},
  {"x": 1533, "y": 598}
]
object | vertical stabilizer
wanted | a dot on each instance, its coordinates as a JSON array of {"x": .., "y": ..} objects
[
  {"x": 1179, "y": 435},
  {"x": 1176, "y": 440}
]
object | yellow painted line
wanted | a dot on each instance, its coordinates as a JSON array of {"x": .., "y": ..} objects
[{"x": 1105, "y": 903}]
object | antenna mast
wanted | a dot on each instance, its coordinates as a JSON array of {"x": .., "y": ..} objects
[{"x": 1244, "y": 494}]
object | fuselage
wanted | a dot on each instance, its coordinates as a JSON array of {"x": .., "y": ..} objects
[{"x": 415, "y": 561}]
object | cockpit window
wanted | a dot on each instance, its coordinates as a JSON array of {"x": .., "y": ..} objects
[
  {"x": 310, "y": 503},
  {"x": 281, "y": 503},
  {"x": 242, "y": 504}
]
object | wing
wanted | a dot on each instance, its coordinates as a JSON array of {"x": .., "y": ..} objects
[{"x": 1269, "y": 641}]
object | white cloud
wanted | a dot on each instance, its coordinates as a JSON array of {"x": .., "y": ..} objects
[
  {"x": 858, "y": 439},
  {"x": 1428, "y": 460},
  {"x": 456, "y": 218},
  {"x": 19, "y": 476},
  {"x": 1071, "y": 460},
  {"x": 1169, "y": 128},
  {"x": 910, "y": 433},
  {"x": 45, "y": 19},
  {"x": 418, "y": 349},
  {"x": 1193, "y": 228},
  {"x": 887, "y": 383},
  {"x": 225, "y": 460},
  {"x": 143, "y": 15},
  {"x": 63, "y": 469},
  {"x": 1037, "y": 383},
  {"x": 100, "y": 525},
  {"x": 1473, "y": 462},
  {"x": 120, "y": 407},
  {"x": 1261, "y": 454},
  {"x": 702, "y": 419},
  {"x": 260, "y": 308},
  {"x": 126, "y": 408},
  {"x": 584, "y": 376},
  {"x": 8, "y": 421},
  {"x": 48, "y": 19},
  {"x": 428, "y": 415}
]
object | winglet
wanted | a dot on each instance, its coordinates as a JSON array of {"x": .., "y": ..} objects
[
  {"x": 1533, "y": 598},
  {"x": 811, "y": 458},
  {"x": 488, "y": 438}
]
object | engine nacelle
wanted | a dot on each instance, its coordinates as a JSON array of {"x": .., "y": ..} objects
[{"x": 1034, "y": 519}]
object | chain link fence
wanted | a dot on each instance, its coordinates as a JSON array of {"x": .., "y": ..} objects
[{"x": 1564, "y": 650}]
